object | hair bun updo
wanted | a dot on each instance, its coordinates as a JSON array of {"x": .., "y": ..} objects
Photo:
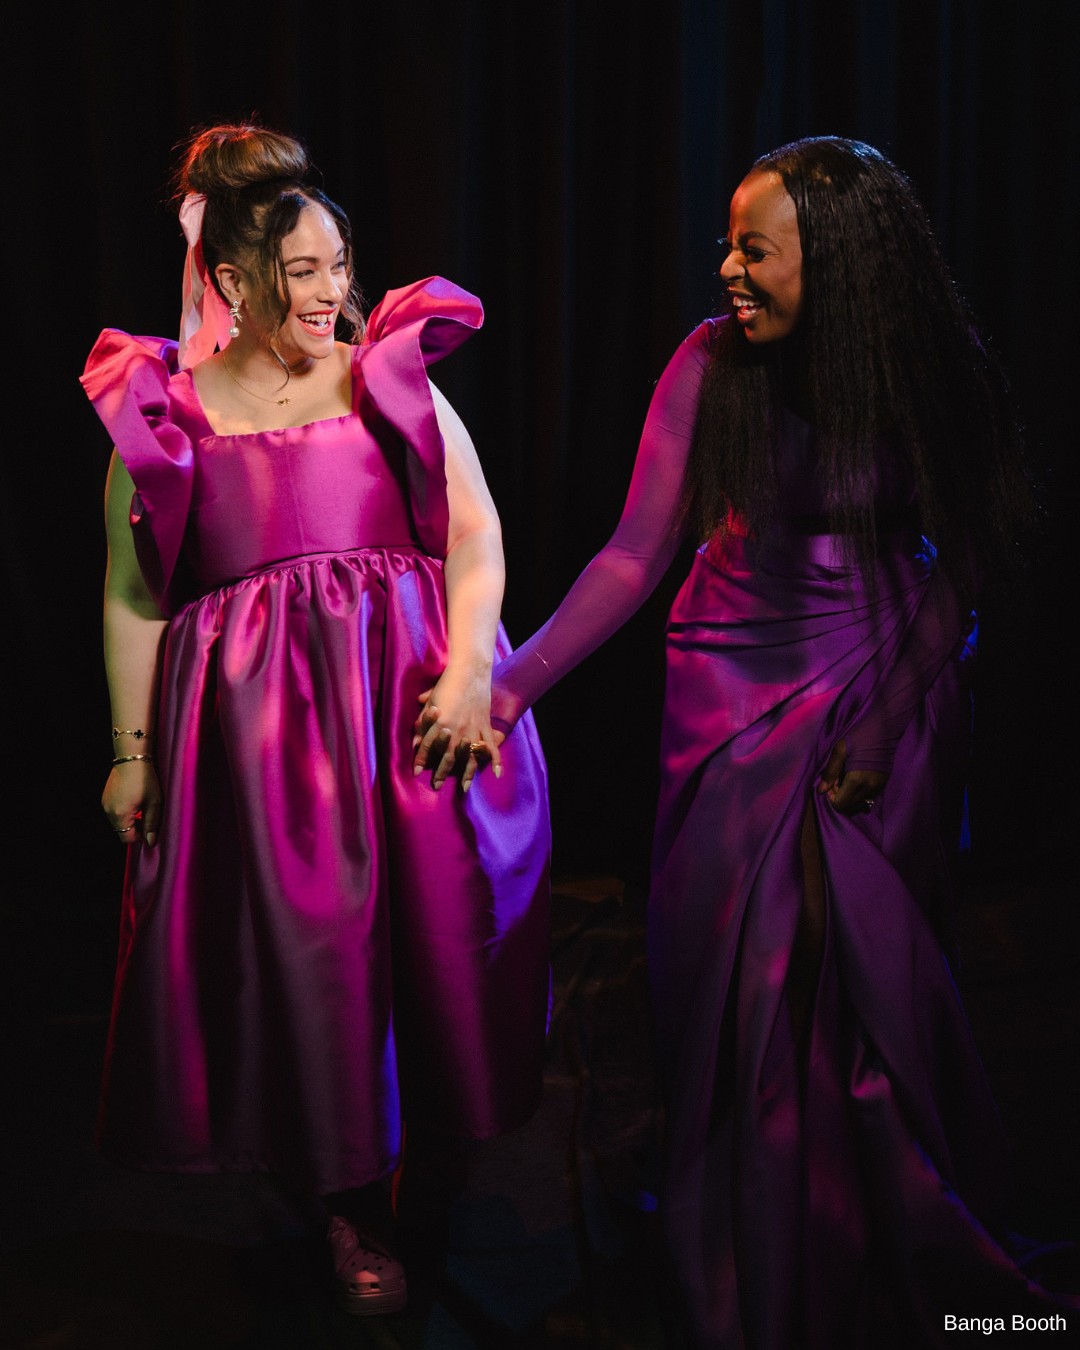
[
  {"x": 255, "y": 189},
  {"x": 228, "y": 158}
]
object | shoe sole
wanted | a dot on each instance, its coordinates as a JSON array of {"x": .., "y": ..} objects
[{"x": 372, "y": 1305}]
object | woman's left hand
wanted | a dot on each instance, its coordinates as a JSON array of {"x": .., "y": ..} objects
[
  {"x": 851, "y": 792},
  {"x": 453, "y": 732}
]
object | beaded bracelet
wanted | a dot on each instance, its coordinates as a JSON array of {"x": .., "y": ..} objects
[{"x": 130, "y": 759}]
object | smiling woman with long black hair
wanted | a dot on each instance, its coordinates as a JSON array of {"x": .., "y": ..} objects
[{"x": 832, "y": 1151}]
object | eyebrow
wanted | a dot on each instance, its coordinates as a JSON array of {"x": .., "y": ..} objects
[{"x": 307, "y": 257}]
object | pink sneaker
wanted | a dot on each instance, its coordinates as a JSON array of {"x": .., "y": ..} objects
[{"x": 369, "y": 1280}]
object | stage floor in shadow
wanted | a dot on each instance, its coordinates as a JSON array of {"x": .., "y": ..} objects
[{"x": 553, "y": 1242}]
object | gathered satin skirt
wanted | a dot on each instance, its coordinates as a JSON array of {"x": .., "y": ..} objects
[{"x": 320, "y": 943}]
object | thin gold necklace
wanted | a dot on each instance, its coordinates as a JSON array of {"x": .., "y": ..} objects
[{"x": 279, "y": 401}]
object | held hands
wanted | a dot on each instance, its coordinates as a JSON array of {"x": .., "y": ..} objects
[
  {"x": 453, "y": 733},
  {"x": 132, "y": 802},
  {"x": 849, "y": 792}
]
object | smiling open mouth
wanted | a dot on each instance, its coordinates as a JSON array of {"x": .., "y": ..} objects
[
  {"x": 318, "y": 323},
  {"x": 745, "y": 308}
]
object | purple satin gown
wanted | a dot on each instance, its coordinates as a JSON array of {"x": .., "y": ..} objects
[
  {"x": 837, "y": 1192},
  {"x": 319, "y": 941}
]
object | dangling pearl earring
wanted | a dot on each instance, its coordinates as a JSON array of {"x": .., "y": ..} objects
[{"x": 234, "y": 319}]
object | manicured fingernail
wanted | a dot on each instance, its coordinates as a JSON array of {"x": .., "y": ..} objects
[
  {"x": 418, "y": 769},
  {"x": 466, "y": 786},
  {"x": 496, "y": 769}
]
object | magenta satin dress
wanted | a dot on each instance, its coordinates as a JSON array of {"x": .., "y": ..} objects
[
  {"x": 842, "y": 1192},
  {"x": 320, "y": 943}
]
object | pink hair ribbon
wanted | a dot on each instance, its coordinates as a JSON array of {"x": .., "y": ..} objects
[{"x": 204, "y": 318}]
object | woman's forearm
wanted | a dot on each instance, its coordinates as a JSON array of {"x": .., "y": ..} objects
[
  {"x": 134, "y": 636},
  {"x": 134, "y": 626},
  {"x": 133, "y": 642},
  {"x": 475, "y": 577},
  {"x": 132, "y": 795},
  {"x": 457, "y": 712}
]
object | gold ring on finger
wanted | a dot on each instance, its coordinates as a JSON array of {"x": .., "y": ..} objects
[
  {"x": 475, "y": 747},
  {"x": 125, "y": 829}
]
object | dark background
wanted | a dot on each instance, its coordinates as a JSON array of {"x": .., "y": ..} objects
[{"x": 571, "y": 164}]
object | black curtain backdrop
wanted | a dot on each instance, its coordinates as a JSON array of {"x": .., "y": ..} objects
[{"x": 571, "y": 163}]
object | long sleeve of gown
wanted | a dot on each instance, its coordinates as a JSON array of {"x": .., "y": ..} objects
[
  {"x": 940, "y": 625},
  {"x": 627, "y": 569}
]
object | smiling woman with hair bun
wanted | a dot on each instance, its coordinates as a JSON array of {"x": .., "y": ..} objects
[
  {"x": 320, "y": 944},
  {"x": 833, "y": 1157}
]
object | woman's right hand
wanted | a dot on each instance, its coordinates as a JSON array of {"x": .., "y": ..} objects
[
  {"x": 849, "y": 791},
  {"x": 132, "y": 802}
]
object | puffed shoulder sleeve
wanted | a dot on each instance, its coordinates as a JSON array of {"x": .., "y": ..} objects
[
  {"x": 127, "y": 380},
  {"x": 409, "y": 330}
]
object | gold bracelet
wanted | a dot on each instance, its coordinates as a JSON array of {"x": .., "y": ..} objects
[
  {"x": 138, "y": 733},
  {"x": 130, "y": 759}
]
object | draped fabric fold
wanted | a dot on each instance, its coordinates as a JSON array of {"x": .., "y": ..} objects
[
  {"x": 409, "y": 329},
  {"x": 127, "y": 380},
  {"x": 826, "y": 1183}
]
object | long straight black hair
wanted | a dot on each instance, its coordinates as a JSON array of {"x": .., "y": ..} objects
[{"x": 885, "y": 355}]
